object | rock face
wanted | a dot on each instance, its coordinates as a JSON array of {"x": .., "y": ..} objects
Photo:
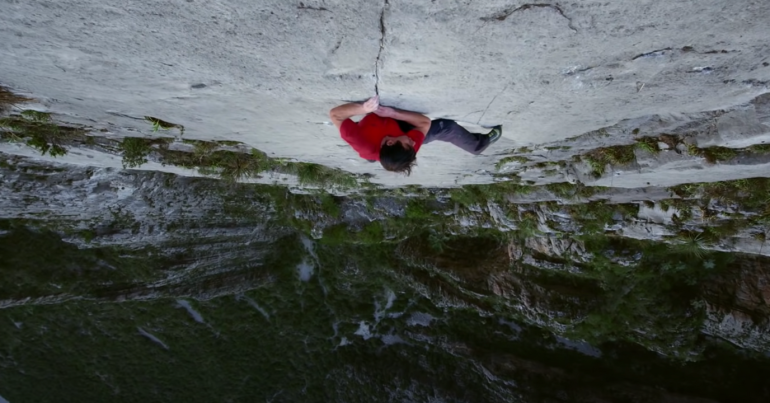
[
  {"x": 611, "y": 247},
  {"x": 739, "y": 304},
  {"x": 267, "y": 74},
  {"x": 470, "y": 302}
]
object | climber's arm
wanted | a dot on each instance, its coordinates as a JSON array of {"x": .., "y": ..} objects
[{"x": 343, "y": 112}]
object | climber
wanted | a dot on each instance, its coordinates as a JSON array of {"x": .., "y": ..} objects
[{"x": 393, "y": 136}]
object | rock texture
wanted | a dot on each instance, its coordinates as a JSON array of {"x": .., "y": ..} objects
[
  {"x": 493, "y": 294},
  {"x": 144, "y": 285},
  {"x": 267, "y": 73}
]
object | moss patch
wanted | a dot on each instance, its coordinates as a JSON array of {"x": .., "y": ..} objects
[
  {"x": 479, "y": 194},
  {"x": 750, "y": 194},
  {"x": 714, "y": 154},
  {"x": 513, "y": 158},
  {"x": 649, "y": 144},
  {"x": 599, "y": 158}
]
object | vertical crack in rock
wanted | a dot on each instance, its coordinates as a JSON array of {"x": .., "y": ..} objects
[
  {"x": 490, "y": 103},
  {"x": 501, "y": 16},
  {"x": 379, "y": 52}
]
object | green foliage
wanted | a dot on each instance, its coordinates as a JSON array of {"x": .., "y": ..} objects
[
  {"x": 513, "y": 158},
  {"x": 437, "y": 241},
  {"x": 234, "y": 166},
  {"x": 649, "y": 144},
  {"x": 201, "y": 148},
  {"x": 329, "y": 205},
  {"x": 527, "y": 226},
  {"x": 65, "y": 268},
  {"x": 566, "y": 190},
  {"x": 36, "y": 116},
  {"x": 599, "y": 158},
  {"x": 318, "y": 175},
  {"x": 8, "y": 99},
  {"x": 619, "y": 292},
  {"x": 684, "y": 209},
  {"x": 563, "y": 190},
  {"x": 87, "y": 235},
  {"x": 417, "y": 210},
  {"x": 650, "y": 301},
  {"x": 713, "y": 154},
  {"x": 751, "y": 194},
  {"x": 342, "y": 234},
  {"x": 664, "y": 205},
  {"x": 158, "y": 124},
  {"x": 230, "y": 166},
  {"x": 37, "y": 130},
  {"x": 724, "y": 229},
  {"x": 229, "y": 143},
  {"x": 546, "y": 164},
  {"x": 337, "y": 235},
  {"x": 136, "y": 150},
  {"x": 689, "y": 244},
  {"x": 594, "y": 216},
  {"x": 44, "y": 146},
  {"x": 717, "y": 154},
  {"x": 760, "y": 148},
  {"x": 470, "y": 195},
  {"x": 372, "y": 233}
]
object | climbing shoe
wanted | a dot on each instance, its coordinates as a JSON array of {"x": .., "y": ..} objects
[{"x": 495, "y": 134}]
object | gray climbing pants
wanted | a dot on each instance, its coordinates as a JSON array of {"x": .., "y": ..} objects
[{"x": 449, "y": 131}]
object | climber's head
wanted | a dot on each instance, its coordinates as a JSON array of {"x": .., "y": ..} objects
[{"x": 397, "y": 154}]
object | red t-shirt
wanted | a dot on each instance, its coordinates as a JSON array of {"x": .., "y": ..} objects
[{"x": 366, "y": 136}]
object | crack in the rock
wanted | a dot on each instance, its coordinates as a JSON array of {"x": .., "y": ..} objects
[
  {"x": 507, "y": 13},
  {"x": 685, "y": 49},
  {"x": 756, "y": 83},
  {"x": 575, "y": 71},
  {"x": 302, "y": 6},
  {"x": 382, "y": 46},
  {"x": 471, "y": 113},
  {"x": 123, "y": 115},
  {"x": 688, "y": 49},
  {"x": 650, "y": 53},
  {"x": 337, "y": 46},
  {"x": 490, "y": 103}
]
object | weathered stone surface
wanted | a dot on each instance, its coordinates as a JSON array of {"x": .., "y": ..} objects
[
  {"x": 267, "y": 73},
  {"x": 571, "y": 249},
  {"x": 738, "y": 306},
  {"x": 496, "y": 302}
]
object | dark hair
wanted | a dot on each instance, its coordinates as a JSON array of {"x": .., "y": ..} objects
[{"x": 396, "y": 158}]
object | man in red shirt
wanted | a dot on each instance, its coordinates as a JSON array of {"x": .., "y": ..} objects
[{"x": 393, "y": 136}]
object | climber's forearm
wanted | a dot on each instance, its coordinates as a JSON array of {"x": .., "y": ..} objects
[
  {"x": 340, "y": 113},
  {"x": 418, "y": 120}
]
